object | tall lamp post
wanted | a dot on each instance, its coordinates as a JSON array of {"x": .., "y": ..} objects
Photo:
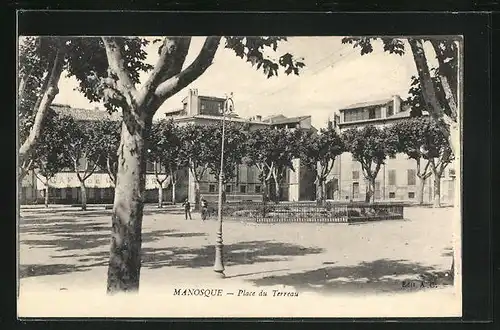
[{"x": 219, "y": 263}]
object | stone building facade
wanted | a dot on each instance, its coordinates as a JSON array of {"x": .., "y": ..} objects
[
  {"x": 397, "y": 180},
  {"x": 206, "y": 110}
]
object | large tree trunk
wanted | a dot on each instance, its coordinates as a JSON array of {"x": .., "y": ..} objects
[
  {"x": 139, "y": 107},
  {"x": 83, "y": 191},
  {"x": 197, "y": 195},
  {"x": 421, "y": 186},
  {"x": 276, "y": 191},
  {"x": 370, "y": 191},
  {"x": 173, "y": 192},
  {"x": 47, "y": 194},
  {"x": 320, "y": 191},
  {"x": 437, "y": 191},
  {"x": 160, "y": 196},
  {"x": 125, "y": 255},
  {"x": 20, "y": 191},
  {"x": 265, "y": 191}
]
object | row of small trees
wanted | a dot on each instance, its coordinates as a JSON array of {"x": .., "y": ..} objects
[
  {"x": 419, "y": 138},
  {"x": 65, "y": 142},
  {"x": 272, "y": 151},
  {"x": 80, "y": 146}
]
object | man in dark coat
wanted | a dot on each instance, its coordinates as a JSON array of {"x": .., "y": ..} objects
[{"x": 187, "y": 209}]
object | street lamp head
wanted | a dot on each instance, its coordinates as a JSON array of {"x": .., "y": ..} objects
[{"x": 228, "y": 104}]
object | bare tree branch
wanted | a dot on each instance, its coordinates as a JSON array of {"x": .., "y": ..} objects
[
  {"x": 157, "y": 174},
  {"x": 114, "y": 53},
  {"x": 43, "y": 108},
  {"x": 444, "y": 122},
  {"x": 444, "y": 69},
  {"x": 87, "y": 175},
  {"x": 25, "y": 168},
  {"x": 191, "y": 73},
  {"x": 111, "y": 173},
  {"x": 426, "y": 173},
  {"x": 172, "y": 56},
  {"x": 45, "y": 180},
  {"x": 444, "y": 79},
  {"x": 77, "y": 170},
  {"x": 419, "y": 174}
]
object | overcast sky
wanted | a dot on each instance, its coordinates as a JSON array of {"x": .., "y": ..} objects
[{"x": 335, "y": 75}]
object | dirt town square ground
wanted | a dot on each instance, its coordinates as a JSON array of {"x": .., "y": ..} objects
[{"x": 64, "y": 250}]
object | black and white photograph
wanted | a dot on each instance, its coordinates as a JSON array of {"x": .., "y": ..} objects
[{"x": 239, "y": 176}]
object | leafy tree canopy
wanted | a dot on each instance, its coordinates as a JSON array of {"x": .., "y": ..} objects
[
  {"x": 370, "y": 145},
  {"x": 50, "y": 155},
  {"x": 108, "y": 132},
  {"x": 273, "y": 148},
  {"x": 322, "y": 147},
  {"x": 420, "y": 138},
  {"x": 165, "y": 145},
  {"x": 89, "y": 64},
  {"x": 234, "y": 150}
]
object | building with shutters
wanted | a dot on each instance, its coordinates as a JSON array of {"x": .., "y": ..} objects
[
  {"x": 64, "y": 187},
  {"x": 206, "y": 110},
  {"x": 397, "y": 180}
]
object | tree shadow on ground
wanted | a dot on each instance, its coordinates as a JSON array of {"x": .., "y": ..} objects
[
  {"x": 244, "y": 253},
  {"x": 79, "y": 239},
  {"x": 378, "y": 276},
  {"x": 55, "y": 215},
  {"x": 53, "y": 269},
  {"x": 65, "y": 228}
]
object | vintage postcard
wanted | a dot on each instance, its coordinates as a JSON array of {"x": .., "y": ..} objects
[{"x": 239, "y": 176}]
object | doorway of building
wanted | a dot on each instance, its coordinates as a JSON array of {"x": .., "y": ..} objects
[
  {"x": 331, "y": 187},
  {"x": 355, "y": 191}
]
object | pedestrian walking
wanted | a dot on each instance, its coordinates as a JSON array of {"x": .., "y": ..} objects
[
  {"x": 204, "y": 209},
  {"x": 187, "y": 209}
]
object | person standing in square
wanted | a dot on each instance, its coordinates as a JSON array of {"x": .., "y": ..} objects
[{"x": 187, "y": 209}]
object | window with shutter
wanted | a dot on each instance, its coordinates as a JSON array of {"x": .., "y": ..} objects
[
  {"x": 412, "y": 177},
  {"x": 392, "y": 177}
]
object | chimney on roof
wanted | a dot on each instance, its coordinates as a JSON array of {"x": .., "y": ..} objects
[
  {"x": 396, "y": 102},
  {"x": 193, "y": 102},
  {"x": 258, "y": 117}
]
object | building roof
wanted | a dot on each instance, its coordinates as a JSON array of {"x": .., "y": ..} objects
[
  {"x": 366, "y": 104},
  {"x": 85, "y": 114},
  {"x": 242, "y": 120},
  {"x": 270, "y": 117},
  {"x": 175, "y": 110},
  {"x": 210, "y": 117},
  {"x": 398, "y": 115},
  {"x": 280, "y": 119},
  {"x": 290, "y": 120},
  {"x": 215, "y": 98}
]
